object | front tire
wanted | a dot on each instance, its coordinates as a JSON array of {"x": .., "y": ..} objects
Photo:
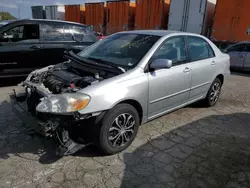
[
  {"x": 118, "y": 128},
  {"x": 213, "y": 93}
]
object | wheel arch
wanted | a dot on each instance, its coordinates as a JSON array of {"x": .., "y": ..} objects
[
  {"x": 135, "y": 104},
  {"x": 221, "y": 78}
]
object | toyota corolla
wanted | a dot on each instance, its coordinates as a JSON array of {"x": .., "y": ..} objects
[{"x": 101, "y": 95}]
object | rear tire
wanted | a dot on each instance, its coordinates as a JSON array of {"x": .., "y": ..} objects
[
  {"x": 213, "y": 93},
  {"x": 118, "y": 128}
]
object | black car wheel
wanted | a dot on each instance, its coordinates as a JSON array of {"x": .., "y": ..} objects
[
  {"x": 213, "y": 93},
  {"x": 118, "y": 128}
]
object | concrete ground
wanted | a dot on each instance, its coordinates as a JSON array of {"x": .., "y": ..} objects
[{"x": 192, "y": 147}]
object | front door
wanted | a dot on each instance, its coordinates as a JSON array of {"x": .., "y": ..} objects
[
  {"x": 169, "y": 88},
  {"x": 20, "y": 49}
]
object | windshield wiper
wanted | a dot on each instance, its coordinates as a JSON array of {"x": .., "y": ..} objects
[{"x": 107, "y": 63}]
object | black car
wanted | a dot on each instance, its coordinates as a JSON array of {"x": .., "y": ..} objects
[{"x": 26, "y": 45}]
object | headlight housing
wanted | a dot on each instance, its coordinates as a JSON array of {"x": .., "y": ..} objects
[{"x": 63, "y": 103}]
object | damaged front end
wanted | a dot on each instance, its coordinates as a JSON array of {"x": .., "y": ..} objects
[
  {"x": 65, "y": 129},
  {"x": 62, "y": 128},
  {"x": 52, "y": 102}
]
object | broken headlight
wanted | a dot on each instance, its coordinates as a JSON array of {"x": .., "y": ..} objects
[{"x": 63, "y": 103}]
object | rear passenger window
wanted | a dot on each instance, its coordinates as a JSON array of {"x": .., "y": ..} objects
[
  {"x": 67, "y": 32},
  {"x": 199, "y": 49},
  {"x": 68, "y": 36},
  {"x": 53, "y": 32}
]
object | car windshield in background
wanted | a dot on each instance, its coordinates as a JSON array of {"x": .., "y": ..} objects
[{"x": 123, "y": 49}]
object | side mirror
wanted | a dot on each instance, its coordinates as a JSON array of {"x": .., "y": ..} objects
[{"x": 161, "y": 64}]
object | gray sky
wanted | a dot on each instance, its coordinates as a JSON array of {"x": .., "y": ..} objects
[{"x": 25, "y": 5}]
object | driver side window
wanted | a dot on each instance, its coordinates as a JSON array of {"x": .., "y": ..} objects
[
  {"x": 21, "y": 33},
  {"x": 172, "y": 49},
  {"x": 16, "y": 33}
]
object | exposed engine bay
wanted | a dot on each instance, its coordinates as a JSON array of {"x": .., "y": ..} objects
[
  {"x": 65, "y": 78},
  {"x": 61, "y": 80}
]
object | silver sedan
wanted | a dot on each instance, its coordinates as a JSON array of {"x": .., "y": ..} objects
[{"x": 106, "y": 91}]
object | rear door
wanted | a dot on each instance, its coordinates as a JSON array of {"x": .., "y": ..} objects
[
  {"x": 59, "y": 36},
  {"x": 203, "y": 66},
  {"x": 237, "y": 55},
  {"x": 53, "y": 37},
  {"x": 20, "y": 50}
]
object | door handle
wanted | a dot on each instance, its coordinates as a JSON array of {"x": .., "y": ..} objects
[
  {"x": 35, "y": 47},
  {"x": 186, "y": 70},
  {"x": 213, "y": 63}
]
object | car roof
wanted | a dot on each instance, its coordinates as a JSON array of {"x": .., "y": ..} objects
[
  {"x": 160, "y": 33},
  {"x": 46, "y": 20}
]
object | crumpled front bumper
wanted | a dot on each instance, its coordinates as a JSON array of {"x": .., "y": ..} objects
[
  {"x": 33, "y": 123},
  {"x": 45, "y": 128}
]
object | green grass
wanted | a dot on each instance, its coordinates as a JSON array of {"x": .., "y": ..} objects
[{"x": 6, "y": 16}]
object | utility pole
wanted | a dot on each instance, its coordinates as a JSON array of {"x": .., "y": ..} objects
[
  {"x": 19, "y": 8},
  {"x": 19, "y": 14},
  {"x": 1, "y": 10}
]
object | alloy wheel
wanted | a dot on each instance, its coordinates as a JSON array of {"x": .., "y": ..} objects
[
  {"x": 121, "y": 130},
  {"x": 215, "y": 93}
]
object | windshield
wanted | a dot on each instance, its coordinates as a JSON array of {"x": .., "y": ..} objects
[{"x": 122, "y": 49}]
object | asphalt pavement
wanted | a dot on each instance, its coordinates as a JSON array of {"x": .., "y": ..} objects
[{"x": 192, "y": 147}]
